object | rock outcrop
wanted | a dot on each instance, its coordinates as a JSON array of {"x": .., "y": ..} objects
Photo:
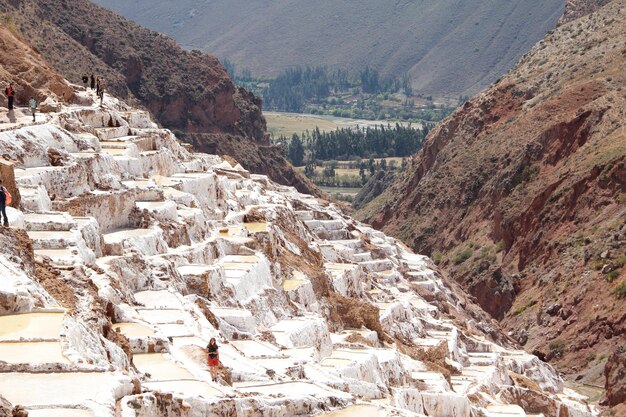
[
  {"x": 575, "y": 9},
  {"x": 615, "y": 373},
  {"x": 520, "y": 194},
  {"x": 128, "y": 253},
  {"x": 186, "y": 91}
]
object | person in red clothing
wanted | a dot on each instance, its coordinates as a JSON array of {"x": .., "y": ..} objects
[
  {"x": 10, "y": 92},
  {"x": 213, "y": 358}
]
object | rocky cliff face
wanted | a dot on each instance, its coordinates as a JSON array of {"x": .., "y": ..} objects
[
  {"x": 186, "y": 91},
  {"x": 521, "y": 194}
]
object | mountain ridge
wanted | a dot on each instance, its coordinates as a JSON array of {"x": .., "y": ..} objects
[{"x": 447, "y": 47}]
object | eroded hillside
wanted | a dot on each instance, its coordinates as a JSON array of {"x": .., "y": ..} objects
[
  {"x": 521, "y": 195},
  {"x": 186, "y": 91}
]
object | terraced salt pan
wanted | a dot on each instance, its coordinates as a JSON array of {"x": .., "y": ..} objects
[
  {"x": 158, "y": 299},
  {"x": 160, "y": 367},
  {"x": 60, "y": 412},
  {"x": 293, "y": 284},
  {"x": 248, "y": 259},
  {"x": 161, "y": 316},
  {"x": 133, "y": 329},
  {"x": 256, "y": 227},
  {"x": 173, "y": 330},
  {"x": 60, "y": 388},
  {"x": 188, "y": 388},
  {"x": 253, "y": 348},
  {"x": 355, "y": 411},
  {"x": 61, "y": 256},
  {"x": 32, "y": 352},
  {"x": 290, "y": 389},
  {"x": 40, "y": 326},
  {"x": 505, "y": 411}
]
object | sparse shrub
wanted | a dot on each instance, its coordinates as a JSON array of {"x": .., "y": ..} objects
[
  {"x": 611, "y": 276},
  {"x": 597, "y": 265},
  {"x": 557, "y": 348},
  {"x": 462, "y": 257},
  {"x": 620, "y": 290},
  {"x": 499, "y": 246},
  {"x": 525, "y": 307},
  {"x": 437, "y": 257}
]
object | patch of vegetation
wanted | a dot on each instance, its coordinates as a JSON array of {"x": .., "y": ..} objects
[
  {"x": 525, "y": 307},
  {"x": 437, "y": 257},
  {"x": 611, "y": 276},
  {"x": 363, "y": 95},
  {"x": 499, "y": 246},
  {"x": 487, "y": 254},
  {"x": 620, "y": 290},
  {"x": 462, "y": 256},
  {"x": 557, "y": 348}
]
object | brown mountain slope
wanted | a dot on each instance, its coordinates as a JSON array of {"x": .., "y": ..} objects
[
  {"x": 25, "y": 67},
  {"x": 521, "y": 194},
  {"x": 186, "y": 91}
]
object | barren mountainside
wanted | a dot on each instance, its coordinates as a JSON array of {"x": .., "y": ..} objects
[
  {"x": 186, "y": 91},
  {"x": 447, "y": 47},
  {"x": 521, "y": 196}
]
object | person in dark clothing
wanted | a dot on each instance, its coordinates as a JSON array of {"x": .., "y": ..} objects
[
  {"x": 213, "y": 358},
  {"x": 85, "y": 81},
  {"x": 3, "y": 204},
  {"x": 98, "y": 87},
  {"x": 10, "y": 92},
  {"x": 93, "y": 82}
]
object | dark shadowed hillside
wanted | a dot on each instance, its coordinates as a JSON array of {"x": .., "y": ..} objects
[
  {"x": 447, "y": 47},
  {"x": 521, "y": 195},
  {"x": 189, "y": 92}
]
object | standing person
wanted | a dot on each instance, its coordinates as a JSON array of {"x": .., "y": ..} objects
[
  {"x": 93, "y": 82},
  {"x": 3, "y": 203},
  {"x": 10, "y": 92},
  {"x": 98, "y": 87},
  {"x": 32, "y": 105},
  {"x": 213, "y": 358},
  {"x": 85, "y": 81}
]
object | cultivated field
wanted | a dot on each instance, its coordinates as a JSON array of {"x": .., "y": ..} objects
[{"x": 286, "y": 124}]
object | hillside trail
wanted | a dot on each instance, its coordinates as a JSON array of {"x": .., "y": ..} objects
[{"x": 130, "y": 252}]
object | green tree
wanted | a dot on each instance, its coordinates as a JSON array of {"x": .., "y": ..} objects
[{"x": 296, "y": 151}]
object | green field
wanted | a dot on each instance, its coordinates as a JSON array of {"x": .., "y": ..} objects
[{"x": 286, "y": 124}]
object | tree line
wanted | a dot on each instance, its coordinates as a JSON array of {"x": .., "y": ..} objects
[
  {"x": 292, "y": 89},
  {"x": 351, "y": 143}
]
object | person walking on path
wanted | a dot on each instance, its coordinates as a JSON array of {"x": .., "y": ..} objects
[
  {"x": 85, "y": 81},
  {"x": 3, "y": 204},
  {"x": 93, "y": 82},
  {"x": 10, "y": 92},
  {"x": 213, "y": 358},
  {"x": 32, "y": 105}
]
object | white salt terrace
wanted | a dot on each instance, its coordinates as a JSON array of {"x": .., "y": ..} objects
[
  {"x": 223, "y": 270},
  {"x": 56, "y": 412},
  {"x": 133, "y": 330},
  {"x": 31, "y": 326}
]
